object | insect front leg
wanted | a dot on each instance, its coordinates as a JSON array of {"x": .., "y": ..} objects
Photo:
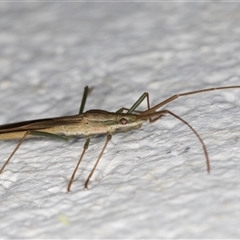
[{"x": 136, "y": 104}]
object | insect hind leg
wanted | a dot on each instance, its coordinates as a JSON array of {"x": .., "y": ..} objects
[{"x": 15, "y": 149}]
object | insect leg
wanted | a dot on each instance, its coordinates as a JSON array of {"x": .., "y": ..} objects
[
  {"x": 109, "y": 136},
  {"x": 136, "y": 104},
  {"x": 84, "y": 99},
  {"x": 86, "y": 92},
  {"x": 15, "y": 149},
  {"x": 33, "y": 133},
  {"x": 85, "y": 147}
]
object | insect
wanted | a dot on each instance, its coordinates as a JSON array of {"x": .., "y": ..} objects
[{"x": 95, "y": 122}]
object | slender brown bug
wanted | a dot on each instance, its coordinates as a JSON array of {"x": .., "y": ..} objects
[{"x": 95, "y": 122}]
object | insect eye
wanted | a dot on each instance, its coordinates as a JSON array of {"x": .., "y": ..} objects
[{"x": 123, "y": 121}]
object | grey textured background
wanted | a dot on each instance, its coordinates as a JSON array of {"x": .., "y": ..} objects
[{"x": 150, "y": 183}]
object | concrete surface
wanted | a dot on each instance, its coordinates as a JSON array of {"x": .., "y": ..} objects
[{"x": 150, "y": 183}]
